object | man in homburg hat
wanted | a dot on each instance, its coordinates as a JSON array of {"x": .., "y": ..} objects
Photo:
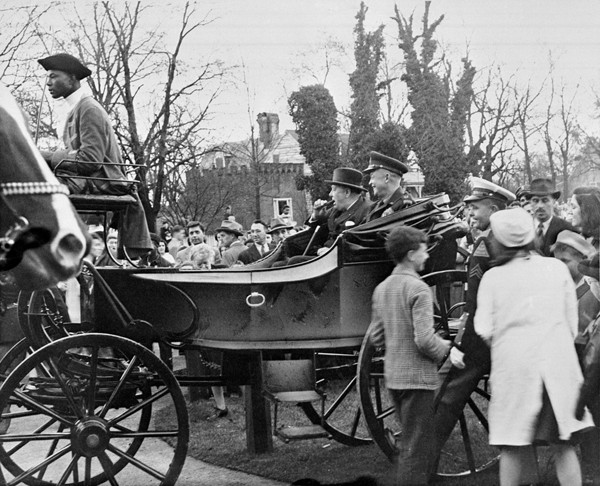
[
  {"x": 484, "y": 200},
  {"x": 230, "y": 246},
  {"x": 349, "y": 206},
  {"x": 543, "y": 197},
  {"x": 88, "y": 138},
  {"x": 385, "y": 179}
]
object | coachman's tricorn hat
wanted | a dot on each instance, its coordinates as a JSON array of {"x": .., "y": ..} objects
[
  {"x": 347, "y": 177},
  {"x": 482, "y": 189},
  {"x": 66, "y": 63},
  {"x": 380, "y": 161},
  {"x": 543, "y": 187}
]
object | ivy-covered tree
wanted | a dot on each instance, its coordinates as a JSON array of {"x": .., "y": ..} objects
[
  {"x": 315, "y": 115},
  {"x": 439, "y": 118},
  {"x": 364, "y": 110}
]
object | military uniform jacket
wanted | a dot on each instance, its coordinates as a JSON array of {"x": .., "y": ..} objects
[
  {"x": 339, "y": 221},
  {"x": 395, "y": 203},
  {"x": 479, "y": 263}
]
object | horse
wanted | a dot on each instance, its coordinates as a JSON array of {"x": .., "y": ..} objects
[{"x": 42, "y": 239}]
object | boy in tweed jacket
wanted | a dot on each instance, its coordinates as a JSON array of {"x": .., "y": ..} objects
[{"x": 402, "y": 319}]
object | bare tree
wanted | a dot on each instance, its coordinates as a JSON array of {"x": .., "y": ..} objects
[
  {"x": 527, "y": 126},
  {"x": 491, "y": 122},
  {"x": 568, "y": 138}
]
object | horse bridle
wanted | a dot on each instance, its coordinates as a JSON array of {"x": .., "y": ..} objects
[{"x": 11, "y": 254}]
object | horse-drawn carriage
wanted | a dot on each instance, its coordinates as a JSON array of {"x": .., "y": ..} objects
[{"x": 79, "y": 399}]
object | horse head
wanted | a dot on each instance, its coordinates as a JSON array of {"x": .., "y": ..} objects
[{"x": 42, "y": 239}]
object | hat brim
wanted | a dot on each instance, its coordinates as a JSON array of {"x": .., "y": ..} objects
[
  {"x": 400, "y": 172},
  {"x": 554, "y": 194},
  {"x": 590, "y": 267},
  {"x": 229, "y": 230},
  {"x": 345, "y": 184},
  {"x": 81, "y": 72},
  {"x": 277, "y": 228}
]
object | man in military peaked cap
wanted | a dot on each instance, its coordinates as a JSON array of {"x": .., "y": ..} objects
[
  {"x": 385, "y": 179},
  {"x": 485, "y": 199},
  {"x": 88, "y": 163}
]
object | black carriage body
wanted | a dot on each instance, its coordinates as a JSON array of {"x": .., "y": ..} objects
[{"x": 319, "y": 304}]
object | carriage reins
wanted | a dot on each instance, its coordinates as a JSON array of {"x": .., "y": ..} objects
[{"x": 19, "y": 236}]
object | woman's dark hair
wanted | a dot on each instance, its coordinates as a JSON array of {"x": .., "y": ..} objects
[
  {"x": 403, "y": 239},
  {"x": 504, "y": 254},
  {"x": 588, "y": 199}
]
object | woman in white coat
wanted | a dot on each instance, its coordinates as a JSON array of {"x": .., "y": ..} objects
[{"x": 527, "y": 312}]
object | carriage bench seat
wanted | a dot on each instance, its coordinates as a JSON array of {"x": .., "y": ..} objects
[{"x": 101, "y": 202}]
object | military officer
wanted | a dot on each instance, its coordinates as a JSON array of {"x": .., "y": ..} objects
[
  {"x": 385, "y": 179},
  {"x": 484, "y": 200}
]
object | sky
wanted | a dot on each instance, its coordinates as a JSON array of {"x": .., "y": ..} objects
[{"x": 270, "y": 39}]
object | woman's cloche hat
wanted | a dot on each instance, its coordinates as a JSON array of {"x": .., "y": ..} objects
[{"x": 512, "y": 227}]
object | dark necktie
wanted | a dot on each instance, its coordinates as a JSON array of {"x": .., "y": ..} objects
[{"x": 539, "y": 236}]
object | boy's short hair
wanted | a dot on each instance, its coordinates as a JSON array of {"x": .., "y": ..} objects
[{"x": 403, "y": 239}]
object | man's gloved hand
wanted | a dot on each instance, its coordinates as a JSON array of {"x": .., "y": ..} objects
[{"x": 457, "y": 358}]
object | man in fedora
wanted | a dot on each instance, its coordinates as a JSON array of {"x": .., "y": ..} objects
[
  {"x": 485, "y": 199},
  {"x": 230, "y": 246},
  {"x": 279, "y": 230},
  {"x": 385, "y": 179},
  {"x": 88, "y": 137},
  {"x": 543, "y": 196}
]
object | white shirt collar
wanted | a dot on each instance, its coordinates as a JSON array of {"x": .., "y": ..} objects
[
  {"x": 545, "y": 224},
  {"x": 75, "y": 98}
]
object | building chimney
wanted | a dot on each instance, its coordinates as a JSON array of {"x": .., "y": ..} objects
[{"x": 268, "y": 127}]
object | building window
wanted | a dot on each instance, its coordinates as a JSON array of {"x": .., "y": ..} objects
[
  {"x": 282, "y": 208},
  {"x": 276, "y": 158}
]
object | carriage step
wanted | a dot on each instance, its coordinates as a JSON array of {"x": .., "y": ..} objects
[
  {"x": 303, "y": 432},
  {"x": 299, "y": 396}
]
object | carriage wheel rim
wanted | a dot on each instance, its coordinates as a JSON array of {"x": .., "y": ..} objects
[{"x": 162, "y": 372}]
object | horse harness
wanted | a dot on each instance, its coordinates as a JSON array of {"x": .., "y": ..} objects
[{"x": 19, "y": 236}]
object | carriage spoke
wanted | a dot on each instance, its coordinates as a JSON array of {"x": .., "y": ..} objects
[
  {"x": 69, "y": 469},
  {"x": 36, "y": 432},
  {"x": 140, "y": 406},
  {"x": 51, "y": 451},
  {"x": 65, "y": 388},
  {"x": 49, "y": 460},
  {"x": 467, "y": 443},
  {"x": 91, "y": 398},
  {"x": 479, "y": 414},
  {"x": 88, "y": 470},
  {"x": 120, "y": 384},
  {"x": 41, "y": 408},
  {"x": 108, "y": 467},
  {"x": 340, "y": 398},
  {"x": 385, "y": 413},
  {"x": 140, "y": 465}
]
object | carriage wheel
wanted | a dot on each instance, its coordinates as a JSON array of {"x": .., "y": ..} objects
[
  {"x": 43, "y": 317},
  {"x": 344, "y": 420},
  {"x": 80, "y": 414},
  {"x": 467, "y": 450}
]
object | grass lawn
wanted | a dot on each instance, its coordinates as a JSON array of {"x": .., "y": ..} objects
[{"x": 223, "y": 442}]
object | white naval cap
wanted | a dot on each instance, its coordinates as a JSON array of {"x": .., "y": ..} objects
[{"x": 482, "y": 189}]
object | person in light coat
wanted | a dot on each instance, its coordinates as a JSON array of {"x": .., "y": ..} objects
[{"x": 527, "y": 312}]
